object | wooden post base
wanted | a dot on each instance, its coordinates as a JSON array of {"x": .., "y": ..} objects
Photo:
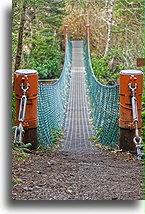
[
  {"x": 126, "y": 140},
  {"x": 30, "y": 136}
]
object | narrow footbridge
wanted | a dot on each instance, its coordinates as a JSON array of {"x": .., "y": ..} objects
[
  {"x": 77, "y": 127},
  {"x": 78, "y": 104}
]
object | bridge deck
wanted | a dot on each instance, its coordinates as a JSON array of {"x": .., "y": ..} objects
[{"x": 77, "y": 127}]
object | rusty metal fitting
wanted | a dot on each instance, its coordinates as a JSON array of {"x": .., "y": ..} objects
[
  {"x": 88, "y": 33},
  {"x": 66, "y": 30}
]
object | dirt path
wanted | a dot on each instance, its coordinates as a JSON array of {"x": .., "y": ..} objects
[{"x": 98, "y": 175}]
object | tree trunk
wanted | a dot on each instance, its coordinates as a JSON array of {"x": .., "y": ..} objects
[
  {"x": 109, "y": 36},
  {"x": 20, "y": 39}
]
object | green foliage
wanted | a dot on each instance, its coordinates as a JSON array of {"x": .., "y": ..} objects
[
  {"x": 16, "y": 181},
  {"x": 96, "y": 138},
  {"x": 20, "y": 146},
  {"x": 55, "y": 141},
  {"x": 13, "y": 107},
  {"x": 56, "y": 135},
  {"x": 46, "y": 59},
  {"x": 101, "y": 68},
  {"x": 102, "y": 73},
  {"x": 40, "y": 40}
]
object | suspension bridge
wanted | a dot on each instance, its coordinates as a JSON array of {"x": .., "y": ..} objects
[{"x": 78, "y": 104}]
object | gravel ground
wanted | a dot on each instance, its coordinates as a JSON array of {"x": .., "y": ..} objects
[{"x": 94, "y": 175}]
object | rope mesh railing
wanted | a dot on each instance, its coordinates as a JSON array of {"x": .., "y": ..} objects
[
  {"x": 52, "y": 101},
  {"x": 104, "y": 104}
]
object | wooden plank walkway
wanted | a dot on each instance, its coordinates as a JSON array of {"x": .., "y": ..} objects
[{"x": 77, "y": 127}]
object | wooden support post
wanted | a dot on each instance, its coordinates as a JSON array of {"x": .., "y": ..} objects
[
  {"x": 88, "y": 33},
  {"x": 23, "y": 79},
  {"x": 126, "y": 124},
  {"x": 66, "y": 30}
]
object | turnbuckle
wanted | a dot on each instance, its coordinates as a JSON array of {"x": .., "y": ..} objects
[
  {"x": 22, "y": 109},
  {"x": 19, "y": 131},
  {"x": 137, "y": 139}
]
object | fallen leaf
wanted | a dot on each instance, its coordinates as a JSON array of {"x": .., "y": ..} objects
[{"x": 69, "y": 191}]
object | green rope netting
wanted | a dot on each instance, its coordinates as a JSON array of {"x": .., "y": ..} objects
[
  {"x": 104, "y": 105},
  {"x": 52, "y": 102}
]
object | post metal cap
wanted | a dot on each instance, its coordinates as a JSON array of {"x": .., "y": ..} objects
[
  {"x": 26, "y": 72},
  {"x": 131, "y": 72},
  {"x": 66, "y": 26},
  {"x": 87, "y": 25}
]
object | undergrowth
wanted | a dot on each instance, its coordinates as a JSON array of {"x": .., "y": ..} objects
[
  {"x": 101, "y": 67},
  {"x": 55, "y": 142},
  {"x": 46, "y": 59}
]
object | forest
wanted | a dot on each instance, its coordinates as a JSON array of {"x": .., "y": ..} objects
[{"x": 116, "y": 35}]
